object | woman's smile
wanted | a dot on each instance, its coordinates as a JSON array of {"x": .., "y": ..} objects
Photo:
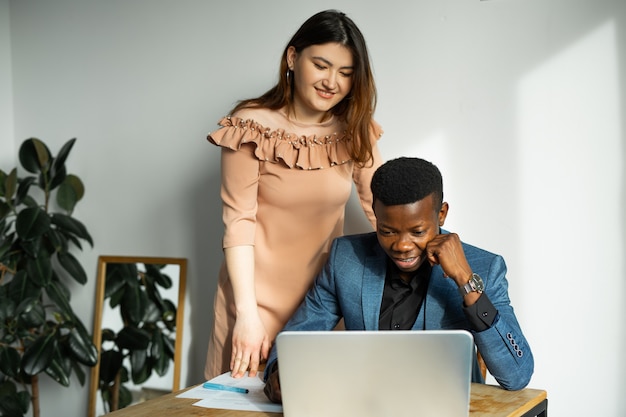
[{"x": 325, "y": 94}]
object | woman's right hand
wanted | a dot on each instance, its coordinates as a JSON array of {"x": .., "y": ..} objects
[
  {"x": 250, "y": 341},
  {"x": 251, "y": 344}
]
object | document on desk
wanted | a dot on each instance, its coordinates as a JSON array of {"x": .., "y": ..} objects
[{"x": 254, "y": 400}]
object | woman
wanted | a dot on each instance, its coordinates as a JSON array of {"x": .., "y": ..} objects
[{"x": 288, "y": 161}]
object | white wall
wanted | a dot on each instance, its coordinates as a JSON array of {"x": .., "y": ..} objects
[
  {"x": 7, "y": 143},
  {"x": 519, "y": 102}
]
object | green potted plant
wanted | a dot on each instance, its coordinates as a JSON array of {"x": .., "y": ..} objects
[
  {"x": 39, "y": 331},
  {"x": 146, "y": 342}
]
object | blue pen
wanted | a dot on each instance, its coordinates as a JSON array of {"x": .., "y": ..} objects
[{"x": 220, "y": 387}]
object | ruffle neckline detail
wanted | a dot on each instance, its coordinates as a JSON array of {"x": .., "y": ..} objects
[{"x": 295, "y": 151}]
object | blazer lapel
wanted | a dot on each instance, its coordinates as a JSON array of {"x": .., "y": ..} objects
[
  {"x": 437, "y": 309},
  {"x": 373, "y": 287}
]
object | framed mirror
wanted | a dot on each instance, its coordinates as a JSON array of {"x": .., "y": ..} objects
[{"x": 138, "y": 324}]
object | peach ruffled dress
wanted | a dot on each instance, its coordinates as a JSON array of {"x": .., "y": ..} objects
[{"x": 284, "y": 189}]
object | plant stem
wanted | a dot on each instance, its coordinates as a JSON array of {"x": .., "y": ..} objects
[
  {"x": 35, "y": 395},
  {"x": 115, "y": 396}
]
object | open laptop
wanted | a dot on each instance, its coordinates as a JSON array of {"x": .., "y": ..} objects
[{"x": 375, "y": 373}]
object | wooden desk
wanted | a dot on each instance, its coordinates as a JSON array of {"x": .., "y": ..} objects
[{"x": 486, "y": 401}]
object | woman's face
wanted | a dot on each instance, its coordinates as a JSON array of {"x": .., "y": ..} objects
[{"x": 323, "y": 77}]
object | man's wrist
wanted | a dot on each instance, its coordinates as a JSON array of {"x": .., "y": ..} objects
[{"x": 473, "y": 285}]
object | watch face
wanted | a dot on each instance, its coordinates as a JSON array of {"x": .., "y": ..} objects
[{"x": 478, "y": 282}]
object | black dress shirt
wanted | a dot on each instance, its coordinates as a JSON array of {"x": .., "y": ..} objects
[{"x": 402, "y": 301}]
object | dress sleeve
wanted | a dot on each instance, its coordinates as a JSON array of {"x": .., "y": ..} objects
[
  {"x": 362, "y": 177},
  {"x": 240, "y": 179}
]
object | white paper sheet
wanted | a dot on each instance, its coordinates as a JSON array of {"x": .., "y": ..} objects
[{"x": 255, "y": 400}]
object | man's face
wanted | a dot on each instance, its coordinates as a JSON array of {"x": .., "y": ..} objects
[{"x": 405, "y": 230}]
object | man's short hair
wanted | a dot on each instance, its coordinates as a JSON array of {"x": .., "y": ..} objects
[{"x": 407, "y": 180}]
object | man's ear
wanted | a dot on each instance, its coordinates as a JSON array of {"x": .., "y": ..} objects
[{"x": 443, "y": 213}]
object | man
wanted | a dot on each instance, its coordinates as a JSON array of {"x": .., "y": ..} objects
[{"x": 411, "y": 274}]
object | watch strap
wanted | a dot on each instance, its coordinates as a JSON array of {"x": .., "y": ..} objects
[
  {"x": 465, "y": 289},
  {"x": 471, "y": 286}
]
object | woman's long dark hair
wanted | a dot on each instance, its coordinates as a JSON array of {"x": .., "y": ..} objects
[{"x": 358, "y": 106}]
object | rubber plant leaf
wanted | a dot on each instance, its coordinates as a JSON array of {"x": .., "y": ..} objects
[
  {"x": 126, "y": 397},
  {"x": 114, "y": 281},
  {"x": 73, "y": 267},
  {"x": 11, "y": 406},
  {"x": 80, "y": 374},
  {"x": 5, "y": 210},
  {"x": 21, "y": 287},
  {"x": 82, "y": 347},
  {"x": 63, "y": 153},
  {"x": 7, "y": 388},
  {"x": 56, "y": 240},
  {"x": 169, "y": 345},
  {"x": 59, "y": 369},
  {"x": 162, "y": 279},
  {"x": 169, "y": 314},
  {"x": 73, "y": 239},
  {"x": 57, "y": 175},
  {"x": 152, "y": 313},
  {"x": 134, "y": 304},
  {"x": 39, "y": 270},
  {"x": 31, "y": 247},
  {"x": 38, "y": 355},
  {"x": 116, "y": 297},
  {"x": 110, "y": 364},
  {"x": 31, "y": 313},
  {"x": 66, "y": 197},
  {"x": 10, "y": 184},
  {"x": 58, "y": 293},
  {"x": 26, "y": 305},
  {"x": 22, "y": 190},
  {"x": 70, "y": 192},
  {"x": 3, "y": 177},
  {"x": 6, "y": 245},
  {"x": 133, "y": 338},
  {"x": 34, "y": 155},
  {"x": 31, "y": 223},
  {"x": 7, "y": 308},
  {"x": 157, "y": 351},
  {"x": 108, "y": 335},
  {"x": 129, "y": 272},
  {"x": 9, "y": 361},
  {"x": 153, "y": 293},
  {"x": 24, "y": 399},
  {"x": 72, "y": 226},
  {"x": 140, "y": 366}
]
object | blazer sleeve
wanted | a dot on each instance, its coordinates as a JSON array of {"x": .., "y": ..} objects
[{"x": 503, "y": 346}]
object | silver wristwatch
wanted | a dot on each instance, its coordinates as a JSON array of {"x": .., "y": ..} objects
[{"x": 475, "y": 284}]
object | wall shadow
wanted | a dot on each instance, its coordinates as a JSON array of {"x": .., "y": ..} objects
[
  {"x": 205, "y": 263},
  {"x": 621, "y": 47}
]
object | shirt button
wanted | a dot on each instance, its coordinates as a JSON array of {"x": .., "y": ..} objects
[{"x": 396, "y": 326}]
